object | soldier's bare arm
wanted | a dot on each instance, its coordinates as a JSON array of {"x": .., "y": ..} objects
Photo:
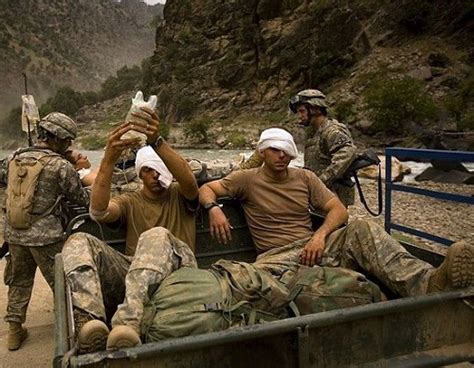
[
  {"x": 336, "y": 215},
  {"x": 219, "y": 225},
  {"x": 176, "y": 164},
  {"x": 101, "y": 208}
]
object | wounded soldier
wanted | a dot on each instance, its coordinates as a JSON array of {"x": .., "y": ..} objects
[{"x": 276, "y": 199}]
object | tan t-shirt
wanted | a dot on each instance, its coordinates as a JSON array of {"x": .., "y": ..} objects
[
  {"x": 277, "y": 212},
  {"x": 140, "y": 214}
]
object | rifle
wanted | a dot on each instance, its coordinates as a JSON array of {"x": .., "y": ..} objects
[
  {"x": 364, "y": 159},
  {"x": 4, "y": 249}
]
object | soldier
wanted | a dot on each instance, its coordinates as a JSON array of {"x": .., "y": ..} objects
[
  {"x": 100, "y": 277},
  {"x": 82, "y": 165},
  {"x": 276, "y": 198},
  {"x": 329, "y": 149},
  {"x": 40, "y": 180}
]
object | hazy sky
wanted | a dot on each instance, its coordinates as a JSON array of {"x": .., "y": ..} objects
[{"x": 152, "y": 2}]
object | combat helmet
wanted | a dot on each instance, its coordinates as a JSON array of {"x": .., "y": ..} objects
[
  {"x": 60, "y": 125},
  {"x": 313, "y": 97}
]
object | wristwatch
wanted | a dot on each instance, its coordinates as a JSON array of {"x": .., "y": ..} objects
[
  {"x": 209, "y": 205},
  {"x": 157, "y": 144}
]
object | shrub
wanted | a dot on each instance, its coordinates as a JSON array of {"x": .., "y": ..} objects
[
  {"x": 93, "y": 142},
  {"x": 344, "y": 111},
  {"x": 394, "y": 103},
  {"x": 185, "y": 107},
  {"x": 413, "y": 15},
  {"x": 467, "y": 122},
  {"x": 66, "y": 100},
  {"x": 198, "y": 130},
  {"x": 237, "y": 139}
]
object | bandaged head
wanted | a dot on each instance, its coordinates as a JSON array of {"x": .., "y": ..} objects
[
  {"x": 147, "y": 157},
  {"x": 279, "y": 139}
]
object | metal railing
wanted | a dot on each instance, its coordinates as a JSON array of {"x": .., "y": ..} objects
[{"x": 390, "y": 186}]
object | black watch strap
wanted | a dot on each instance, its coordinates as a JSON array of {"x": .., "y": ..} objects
[{"x": 209, "y": 205}]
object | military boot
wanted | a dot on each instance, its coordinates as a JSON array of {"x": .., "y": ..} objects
[
  {"x": 91, "y": 333},
  {"x": 123, "y": 337},
  {"x": 456, "y": 271},
  {"x": 16, "y": 335}
]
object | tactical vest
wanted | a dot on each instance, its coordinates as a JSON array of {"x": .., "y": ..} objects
[{"x": 23, "y": 174}]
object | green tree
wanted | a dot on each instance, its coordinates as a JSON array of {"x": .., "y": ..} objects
[{"x": 393, "y": 103}]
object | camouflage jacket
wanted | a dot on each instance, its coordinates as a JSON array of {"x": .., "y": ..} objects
[
  {"x": 330, "y": 151},
  {"x": 57, "y": 179}
]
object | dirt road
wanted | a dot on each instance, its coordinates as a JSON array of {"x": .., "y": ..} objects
[{"x": 38, "y": 348}]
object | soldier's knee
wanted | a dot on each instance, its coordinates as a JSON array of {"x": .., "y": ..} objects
[
  {"x": 358, "y": 224},
  {"x": 155, "y": 232}
]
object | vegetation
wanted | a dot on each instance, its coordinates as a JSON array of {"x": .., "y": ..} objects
[
  {"x": 198, "y": 130},
  {"x": 393, "y": 103}
]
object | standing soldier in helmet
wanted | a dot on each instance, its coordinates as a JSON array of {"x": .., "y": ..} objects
[
  {"x": 39, "y": 180},
  {"x": 329, "y": 149}
]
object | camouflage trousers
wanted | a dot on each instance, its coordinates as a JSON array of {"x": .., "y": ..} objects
[
  {"x": 19, "y": 275},
  {"x": 361, "y": 246},
  {"x": 114, "y": 287}
]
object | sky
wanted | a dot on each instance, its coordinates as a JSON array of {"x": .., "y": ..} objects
[{"x": 153, "y": 2}]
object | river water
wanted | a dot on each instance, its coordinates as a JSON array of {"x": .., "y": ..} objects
[{"x": 233, "y": 156}]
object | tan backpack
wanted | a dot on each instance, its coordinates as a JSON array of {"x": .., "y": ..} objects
[{"x": 23, "y": 173}]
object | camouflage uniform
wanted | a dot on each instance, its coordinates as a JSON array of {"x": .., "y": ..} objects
[
  {"x": 101, "y": 278},
  {"x": 37, "y": 245},
  {"x": 359, "y": 245},
  {"x": 255, "y": 160},
  {"x": 328, "y": 153}
]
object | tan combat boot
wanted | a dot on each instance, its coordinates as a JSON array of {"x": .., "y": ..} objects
[
  {"x": 123, "y": 337},
  {"x": 91, "y": 333},
  {"x": 456, "y": 271},
  {"x": 16, "y": 335}
]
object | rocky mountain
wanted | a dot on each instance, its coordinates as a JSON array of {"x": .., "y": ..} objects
[
  {"x": 240, "y": 60},
  {"x": 69, "y": 42}
]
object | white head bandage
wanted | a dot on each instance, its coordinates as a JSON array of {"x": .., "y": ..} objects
[
  {"x": 279, "y": 139},
  {"x": 147, "y": 157}
]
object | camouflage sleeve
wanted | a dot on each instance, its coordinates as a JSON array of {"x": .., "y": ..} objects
[
  {"x": 71, "y": 185},
  {"x": 253, "y": 161},
  {"x": 342, "y": 151}
]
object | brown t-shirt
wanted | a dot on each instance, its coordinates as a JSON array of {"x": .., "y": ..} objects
[
  {"x": 170, "y": 210},
  {"x": 277, "y": 212}
]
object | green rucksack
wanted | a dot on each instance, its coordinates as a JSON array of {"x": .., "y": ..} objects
[
  {"x": 320, "y": 289},
  {"x": 194, "y": 301},
  {"x": 23, "y": 173}
]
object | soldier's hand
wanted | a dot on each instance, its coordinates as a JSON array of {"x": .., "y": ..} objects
[
  {"x": 115, "y": 145},
  {"x": 219, "y": 225},
  {"x": 152, "y": 126},
  {"x": 313, "y": 251}
]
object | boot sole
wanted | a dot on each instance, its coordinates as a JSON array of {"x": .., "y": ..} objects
[
  {"x": 96, "y": 342},
  {"x": 462, "y": 274}
]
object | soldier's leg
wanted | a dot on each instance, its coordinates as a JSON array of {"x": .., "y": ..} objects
[
  {"x": 158, "y": 254},
  {"x": 95, "y": 273},
  {"x": 367, "y": 246},
  {"x": 19, "y": 277},
  {"x": 44, "y": 259},
  {"x": 277, "y": 261}
]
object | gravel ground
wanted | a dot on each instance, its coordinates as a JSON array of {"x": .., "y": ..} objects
[{"x": 439, "y": 217}]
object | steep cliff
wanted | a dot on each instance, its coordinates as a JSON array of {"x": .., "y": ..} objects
[{"x": 228, "y": 58}]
